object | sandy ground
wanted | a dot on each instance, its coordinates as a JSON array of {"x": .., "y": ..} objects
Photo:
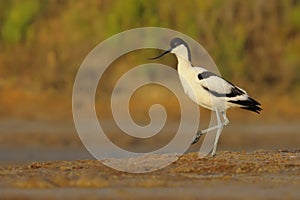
[
  {"x": 48, "y": 161},
  {"x": 243, "y": 175}
]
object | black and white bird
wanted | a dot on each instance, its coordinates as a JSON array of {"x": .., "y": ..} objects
[{"x": 208, "y": 89}]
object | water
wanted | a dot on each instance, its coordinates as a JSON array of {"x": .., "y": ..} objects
[{"x": 235, "y": 137}]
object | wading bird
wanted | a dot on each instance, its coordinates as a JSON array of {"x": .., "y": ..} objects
[{"x": 208, "y": 89}]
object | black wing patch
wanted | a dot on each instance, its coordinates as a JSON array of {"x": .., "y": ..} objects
[
  {"x": 248, "y": 104},
  {"x": 233, "y": 93},
  {"x": 205, "y": 75}
]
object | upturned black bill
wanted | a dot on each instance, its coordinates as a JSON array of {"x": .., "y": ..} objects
[{"x": 161, "y": 55}]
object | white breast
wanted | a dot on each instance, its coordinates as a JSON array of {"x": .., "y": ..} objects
[{"x": 188, "y": 76}]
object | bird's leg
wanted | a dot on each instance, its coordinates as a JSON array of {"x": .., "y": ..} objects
[
  {"x": 209, "y": 129},
  {"x": 220, "y": 126},
  {"x": 202, "y": 132},
  {"x": 198, "y": 135},
  {"x": 226, "y": 121}
]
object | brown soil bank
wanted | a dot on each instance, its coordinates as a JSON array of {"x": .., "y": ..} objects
[{"x": 244, "y": 175}]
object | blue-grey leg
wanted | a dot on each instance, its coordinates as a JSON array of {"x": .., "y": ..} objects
[
  {"x": 198, "y": 136},
  {"x": 202, "y": 132},
  {"x": 220, "y": 127},
  {"x": 226, "y": 121}
]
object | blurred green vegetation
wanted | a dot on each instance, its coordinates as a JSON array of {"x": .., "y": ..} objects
[
  {"x": 43, "y": 43},
  {"x": 17, "y": 19}
]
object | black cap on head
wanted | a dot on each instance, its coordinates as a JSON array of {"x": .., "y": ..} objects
[
  {"x": 174, "y": 43},
  {"x": 178, "y": 41}
]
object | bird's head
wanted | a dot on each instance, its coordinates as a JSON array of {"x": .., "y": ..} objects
[{"x": 178, "y": 47}]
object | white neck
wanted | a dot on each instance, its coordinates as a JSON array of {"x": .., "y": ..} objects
[
  {"x": 183, "y": 64},
  {"x": 181, "y": 51}
]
